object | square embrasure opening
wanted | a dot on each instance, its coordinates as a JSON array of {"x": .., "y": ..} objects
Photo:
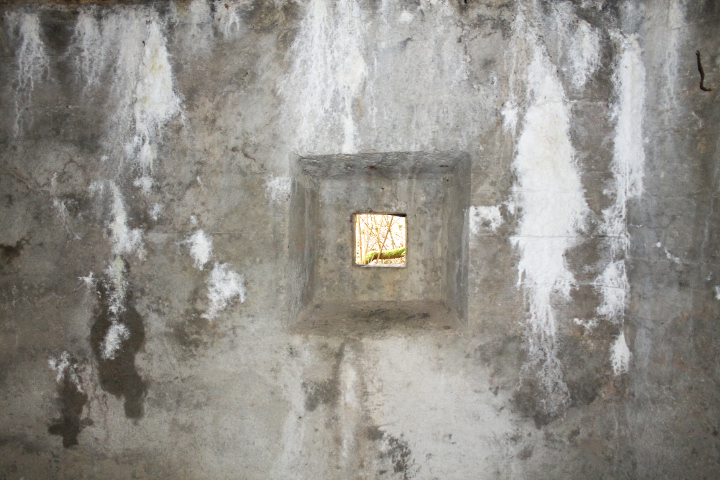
[
  {"x": 380, "y": 239},
  {"x": 330, "y": 290}
]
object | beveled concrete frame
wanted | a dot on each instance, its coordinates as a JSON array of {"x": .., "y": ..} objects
[{"x": 326, "y": 294}]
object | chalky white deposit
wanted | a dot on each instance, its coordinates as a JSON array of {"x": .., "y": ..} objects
[
  {"x": 224, "y": 287},
  {"x": 116, "y": 334},
  {"x": 200, "y": 248}
]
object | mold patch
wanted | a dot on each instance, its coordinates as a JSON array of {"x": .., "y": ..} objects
[
  {"x": 395, "y": 452},
  {"x": 117, "y": 372}
]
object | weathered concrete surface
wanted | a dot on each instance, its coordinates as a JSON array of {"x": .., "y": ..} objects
[{"x": 148, "y": 313}]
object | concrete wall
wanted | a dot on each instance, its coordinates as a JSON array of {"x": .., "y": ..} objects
[{"x": 152, "y": 273}]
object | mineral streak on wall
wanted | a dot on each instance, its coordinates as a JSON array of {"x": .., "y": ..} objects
[{"x": 161, "y": 228}]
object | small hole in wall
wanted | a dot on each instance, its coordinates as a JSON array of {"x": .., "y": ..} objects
[{"x": 380, "y": 239}]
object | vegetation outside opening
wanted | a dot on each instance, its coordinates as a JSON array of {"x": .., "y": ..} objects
[{"x": 380, "y": 239}]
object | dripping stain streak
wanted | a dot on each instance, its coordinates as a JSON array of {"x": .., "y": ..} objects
[{"x": 702, "y": 73}]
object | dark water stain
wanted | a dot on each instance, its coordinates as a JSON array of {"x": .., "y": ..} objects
[
  {"x": 28, "y": 446},
  {"x": 8, "y": 253},
  {"x": 72, "y": 400},
  {"x": 320, "y": 393},
  {"x": 374, "y": 433},
  {"x": 119, "y": 376},
  {"x": 326, "y": 392},
  {"x": 525, "y": 453},
  {"x": 193, "y": 331},
  {"x": 527, "y": 399}
]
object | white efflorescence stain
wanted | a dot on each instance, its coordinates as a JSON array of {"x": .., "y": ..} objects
[
  {"x": 227, "y": 17},
  {"x": 61, "y": 208},
  {"x": 509, "y": 113},
  {"x": 717, "y": 293},
  {"x": 550, "y": 197},
  {"x": 90, "y": 51},
  {"x": 328, "y": 72},
  {"x": 125, "y": 240},
  {"x": 620, "y": 356},
  {"x": 628, "y": 151},
  {"x": 144, "y": 183},
  {"x": 586, "y": 324},
  {"x": 124, "y": 51},
  {"x": 107, "y": 52},
  {"x": 64, "y": 367},
  {"x": 672, "y": 41},
  {"x": 156, "y": 102},
  {"x": 613, "y": 287},
  {"x": 578, "y": 42},
  {"x": 401, "y": 115},
  {"x": 139, "y": 75},
  {"x": 343, "y": 91},
  {"x": 156, "y": 211},
  {"x": 89, "y": 280},
  {"x": 32, "y": 60},
  {"x": 224, "y": 287},
  {"x": 201, "y": 246},
  {"x": 277, "y": 188},
  {"x": 484, "y": 218},
  {"x": 349, "y": 411},
  {"x": 200, "y": 22},
  {"x": 116, "y": 275},
  {"x": 671, "y": 257},
  {"x": 628, "y": 169},
  {"x": 116, "y": 334},
  {"x": 64, "y": 215},
  {"x": 117, "y": 288},
  {"x": 584, "y": 53},
  {"x": 406, "y": 17}
]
